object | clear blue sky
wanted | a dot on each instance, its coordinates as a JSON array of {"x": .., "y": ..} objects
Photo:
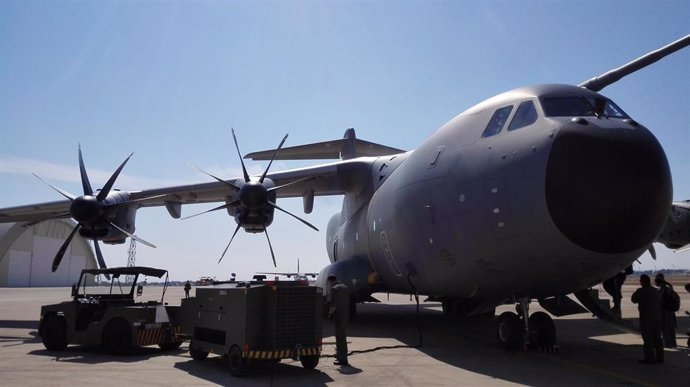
[{"x": 168, "y": 79}]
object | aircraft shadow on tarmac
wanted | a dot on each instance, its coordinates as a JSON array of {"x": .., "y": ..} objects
[{"x": 471, "y": 344}]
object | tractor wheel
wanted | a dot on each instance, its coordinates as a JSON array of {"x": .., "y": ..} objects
[
  {"x": 197, "y": 354},
  {"x": 170, "y": 346},
  {"x": 54, "y": 333},
  {"x": 117, "y": 337}
]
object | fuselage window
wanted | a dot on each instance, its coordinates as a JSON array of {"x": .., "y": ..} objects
[
  {"x": 498, "y": 120},
  {"x": 525, "y": 115}
]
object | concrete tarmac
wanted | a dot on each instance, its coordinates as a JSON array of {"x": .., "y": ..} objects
[{"x": 454, "y": 352}]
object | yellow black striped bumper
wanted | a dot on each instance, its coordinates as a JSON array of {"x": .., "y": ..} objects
[
  {"x": 281, "y": 354},
  {"x": 154, "y": 336}
]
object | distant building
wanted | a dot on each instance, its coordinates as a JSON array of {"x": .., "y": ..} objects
[{"x": 26, "y": 254}]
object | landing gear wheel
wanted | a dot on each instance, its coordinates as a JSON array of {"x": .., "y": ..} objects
[
  {"x": 54, "y": 333},
  {"x": 449, "y": 307},
  {"x": 237, "y": 362},
  {"x": 509, "y": 331},
  {"x": 197, "y": 354},
  {"x": 117, "y": 337},
  {"x": 170, "y": 346},
  {"x": 309, "y": 362},
  {"x": 542, "y": 330}
]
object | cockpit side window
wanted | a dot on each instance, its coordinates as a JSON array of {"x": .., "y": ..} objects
[
  {"x": 581, "y": 106},
  {"x": 525, "y": 115},
  {"x": 498, "y": 120}
]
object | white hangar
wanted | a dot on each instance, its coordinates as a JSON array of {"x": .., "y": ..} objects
[{"x": 26, "y": 254}]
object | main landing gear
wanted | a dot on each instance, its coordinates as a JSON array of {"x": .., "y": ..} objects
[{"x": 515, "y": 331}]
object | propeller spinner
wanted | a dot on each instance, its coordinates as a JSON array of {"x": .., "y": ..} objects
[{"x": 254, "y": 200}]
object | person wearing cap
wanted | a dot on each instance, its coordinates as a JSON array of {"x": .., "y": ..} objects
[
  {"x": 339, "y": 310},
  {"x": 668, "y": 315},
  {"x": 648, "y": 303}
]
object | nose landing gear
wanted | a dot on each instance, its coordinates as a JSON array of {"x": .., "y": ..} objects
[{"x": 536, "y": 331}]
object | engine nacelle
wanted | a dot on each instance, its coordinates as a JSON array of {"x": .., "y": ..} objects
[{"x": 676, "y": 231}]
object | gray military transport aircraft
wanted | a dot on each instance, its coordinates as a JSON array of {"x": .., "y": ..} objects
[{"x": 533, "y": 194}]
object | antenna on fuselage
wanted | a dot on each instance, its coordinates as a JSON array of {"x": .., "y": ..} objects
[{"x": 601, "y": 81}]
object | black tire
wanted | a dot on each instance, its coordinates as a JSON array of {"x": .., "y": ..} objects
[
  {"x": 509, "y": 331},
  {"x": 54, "y": 333},
  {"x": 236, "y": 361},
  {"x": 170, "y": 346},
  {"x": 117, "y": 337},
  {"x": 197, "y": 354},
  {"x": 450, "y": 307},
  {"x": 309, "y": 362},
  {"x": 542, "y": 330}
]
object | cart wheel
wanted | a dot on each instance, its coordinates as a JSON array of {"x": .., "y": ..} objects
[
  {"x": 117, "y": 337},
  {"x": 197, "y": 354},
  {"x": 237, "y": 362},
  {"x": 309, "y": 362},
  {"x": 170, "y": 346},
  {"x": 54, "y": 333}
]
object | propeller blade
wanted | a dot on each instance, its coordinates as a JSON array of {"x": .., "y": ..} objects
[
  {"x": 290, "y": 183},
  {"x": 244, "y": 170},
  {"x": 270, "y": 247},
  {"x": 136, "y": 238},
  {"x": 109, "y": 184},
  {"x": 272, "y": 158},
  {"x": 61, "y": 192},
  {"x": 217, "y": 178},
  {"x": 224, "y": 206},
  {"x": 228, "y": 246},
  {"x": 86, "y": 185},
  {"x": 294, "y": 216},
  {"x": 99, "y": 257},
  {"x": 652, "y": 251},
  {"x": 63, "y": 248}
]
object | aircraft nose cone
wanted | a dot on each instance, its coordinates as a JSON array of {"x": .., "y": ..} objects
[{"x": 608, "y": 190}]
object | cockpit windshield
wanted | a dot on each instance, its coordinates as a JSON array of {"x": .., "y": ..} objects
[{"x": 581, "y": 106}]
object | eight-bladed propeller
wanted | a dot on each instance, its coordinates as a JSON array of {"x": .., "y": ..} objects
[
  {"x": 254, "y": 198},
  {"x": 90, "y": 212}
]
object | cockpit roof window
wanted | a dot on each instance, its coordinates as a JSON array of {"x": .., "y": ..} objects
[
  {"x": 579, "y": 106},
  {"x": 525, "y": 115},
  {"x": 498, "y": 120}
]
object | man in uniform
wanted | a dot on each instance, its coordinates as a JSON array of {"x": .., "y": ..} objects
[
  {"x": 668, "y": 315},
  {"x": 187, "y": 288},
  {"x": 648, "y": 303},
  {"x": 339, "y": 300}
]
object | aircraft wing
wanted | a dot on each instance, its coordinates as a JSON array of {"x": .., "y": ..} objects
[
  {"x": 327, "y": 179},
  {"x": 36, "y": 212}
]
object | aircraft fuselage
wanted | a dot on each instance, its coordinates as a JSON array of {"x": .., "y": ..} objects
[{"x": 480, "y": 211}]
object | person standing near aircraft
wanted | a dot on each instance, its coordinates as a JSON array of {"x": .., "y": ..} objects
[
  {"x": 667, "y": 310},
  {"x": 187, "y": 288},
  {"x": 339, "y": 301},
  {"x": 648, "y": 303}
]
